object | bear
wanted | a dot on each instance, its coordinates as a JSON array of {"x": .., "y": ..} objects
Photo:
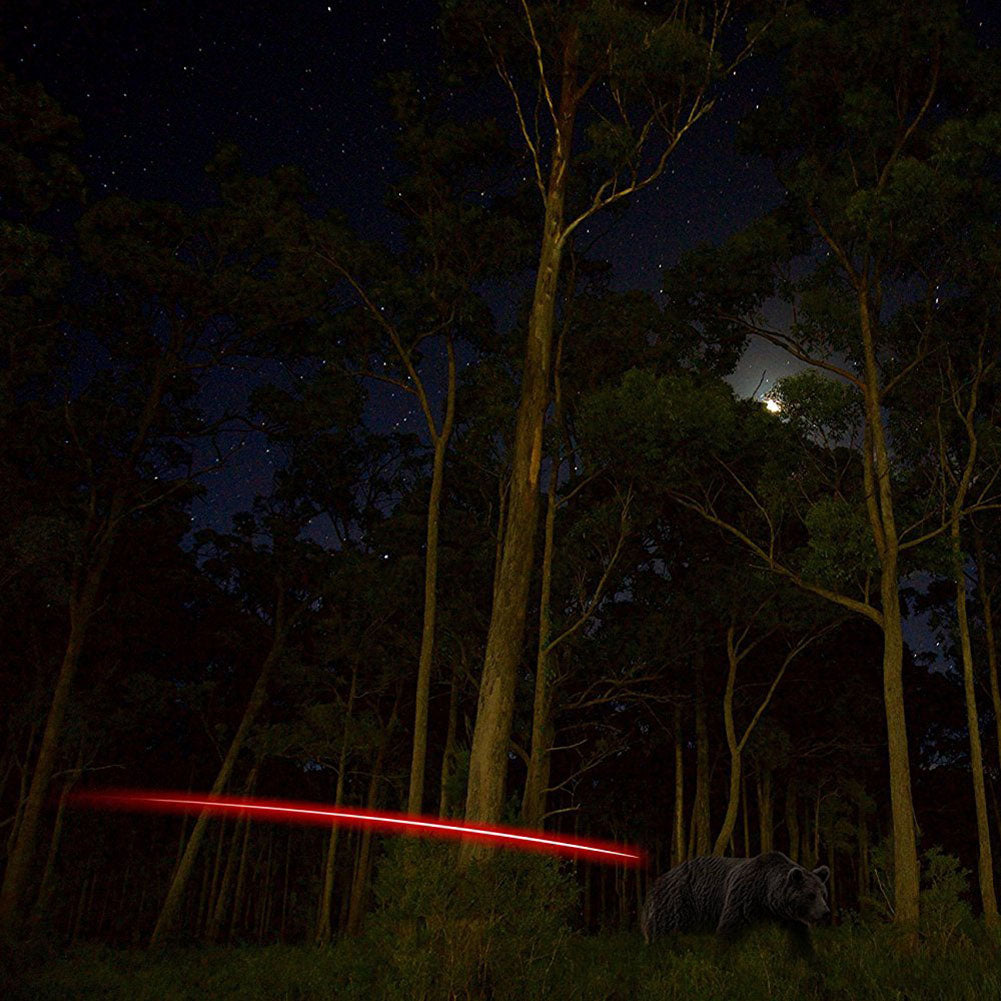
[{"x": 729, "y": 895}]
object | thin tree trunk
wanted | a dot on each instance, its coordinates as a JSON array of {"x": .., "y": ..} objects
[
  {"x": 359, "y": 889},
  {"x": 202, "y": 910},
  {"x": 448, "y": 755},
  {"x": 815, "y": 857},
  {"x": 736, "y": 747},
  {"x": 323, "y": 926},
  {"x": 22, "y": 792},
  {"x": 832, "y": 886},
  {"x": 82, "y": 907},
  {"x": 83, "y": 603},
  {"x": 218, "y": 916},
  {"x": 992, "y": 649},
  {"x": 863, "y": 852},
  {"x": 533, "y": 803},
  {"x": 216, "y": 878},
  {"x": 765, "y": 821},
  {"x": 700, "y": 814},
  {"x": 985, "y": 860},
  {"x": 678, "y": 853},
  {"x": 418, "y": 761},
  {"x": 16, "y": 873},
  {"x": 359, "y": 886},
  {"x": 285, "y": 890},
  {"x": 792, "y": 819},
  {"x": 268, "y": 883},
  {"x": 354, "y": 843},
  {"x": 239, "y": 898},
  {"x": 235, "y": 856},
  {"x": 745, "y": 804},
  {"x": 46, "y": 883},
  {"x": 171, "y": 907}
]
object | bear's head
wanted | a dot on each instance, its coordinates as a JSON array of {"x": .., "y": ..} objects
[{"x": 806, "y": 894}]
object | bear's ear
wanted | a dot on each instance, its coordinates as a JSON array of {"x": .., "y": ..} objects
[
  {"x": 822, "y": 872},
  {"x": 795, "y": 877}
]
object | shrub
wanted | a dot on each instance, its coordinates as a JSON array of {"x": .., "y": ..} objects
[{"x": 497, "y": 927}]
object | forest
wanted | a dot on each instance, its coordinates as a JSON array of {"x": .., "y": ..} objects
[{"x": 455, "y": 521}]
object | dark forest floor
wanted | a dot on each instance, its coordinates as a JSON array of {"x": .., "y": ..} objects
[{"x": 853, "y": 965}]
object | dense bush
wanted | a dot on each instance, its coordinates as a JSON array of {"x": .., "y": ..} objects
[{"x": 496, "y": 928}]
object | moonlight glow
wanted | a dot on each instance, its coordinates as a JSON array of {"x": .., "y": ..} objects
[{"x": 773, "y": 406}]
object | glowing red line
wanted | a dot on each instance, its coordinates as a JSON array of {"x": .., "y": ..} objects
[{"x": 405, "y": 823}]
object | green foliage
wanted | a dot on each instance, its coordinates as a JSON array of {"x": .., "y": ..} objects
[
  {"x": 947, "y": 923},
  {"x": 822, "y": 410},
  {"x": 840, "y": 549},
  {"x": 945, "y": 913},
  {"x": 498, "y": 925},
  {"x": 856, "y": 963},
  {"x": 647, "y": 424}
]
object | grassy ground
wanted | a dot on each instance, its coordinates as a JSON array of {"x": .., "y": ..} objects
[{"x": 855, "y": 964}]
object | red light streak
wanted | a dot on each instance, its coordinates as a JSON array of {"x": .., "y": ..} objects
[{"x": 291, "y": 812}]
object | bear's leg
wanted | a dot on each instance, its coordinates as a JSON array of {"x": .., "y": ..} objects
[
  {"x": 799, "y": 938},
  {"x": 800, "y": 941},
  {"x": 731, "y": 928}
]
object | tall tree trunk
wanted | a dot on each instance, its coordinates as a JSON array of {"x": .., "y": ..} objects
[
  {"x": 678, "y": 853},
  {"x": 268, "y": 883},
  {"x": 992, "y": 649},
  {"x": 171, "y": 906},
  {"x": 218, "y": 916},
  {"x": 832, "y": 886},
  {"x": 22, "y": 792},
  {"x": 240, "y": 897},
  {"x": 359, "y": 889},
  {"x": 286, "y": 884},
  {"x": 418, "y": 760},
  {"x": 792, "y": 819},
  {"x": 700, "y": 809},
  {"x": 234, "y": 858},
  {"x": 815, "y": 854},
  {"x": 766, "y": 823},
  {"x": 359, "y": 886},
  {"x": 217, "y": 869},
  {"x": 736, "y": 650},
  {"x": 83, "y": 604},
  {"x": 87, "y": 579},
  {"x": 533, "y": 803},
  {"x": 746, "y": 809},
  {"x": 323, "y": 921},
  {"x": 879, "y": 490},
  {"x": 985, "y": 860},
  {"x": 448, "y": 755},
  {"x": 46, "y": 883},
  {"x": 492, "y": 732},
  {"x": 863, "y": 851}
]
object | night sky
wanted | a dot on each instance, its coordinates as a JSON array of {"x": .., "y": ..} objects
[{"x": 158, "y": 85}]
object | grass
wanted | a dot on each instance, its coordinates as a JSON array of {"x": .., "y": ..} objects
[{"x": 855, "y": 964}]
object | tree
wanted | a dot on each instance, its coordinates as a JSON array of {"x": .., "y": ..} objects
[
  {"x": 274, "y": 573},
  {"x": 402, "y": 315},
  {"x": 635, "y": 82},
  {"x": 867, "y": 136}
]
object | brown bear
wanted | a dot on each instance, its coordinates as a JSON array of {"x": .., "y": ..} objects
[{"x": 729, "y": 895}]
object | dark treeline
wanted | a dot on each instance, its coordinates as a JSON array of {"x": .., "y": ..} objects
[{"x": 584, "y": 587}]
